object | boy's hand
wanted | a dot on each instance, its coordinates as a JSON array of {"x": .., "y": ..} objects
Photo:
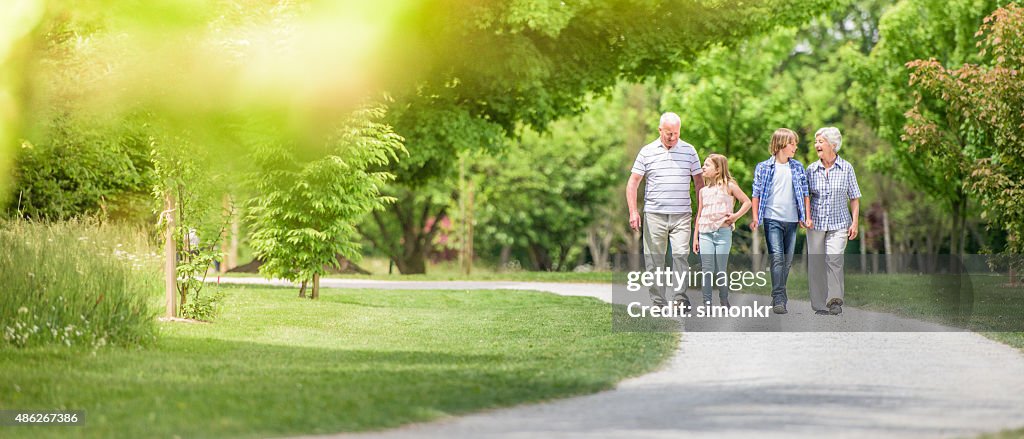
[
  {"x": 753, "y": 224},
  {"x": 852, "y": 231}
]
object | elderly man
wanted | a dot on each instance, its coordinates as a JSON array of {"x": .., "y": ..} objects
[{"x": 668, "y": 164}]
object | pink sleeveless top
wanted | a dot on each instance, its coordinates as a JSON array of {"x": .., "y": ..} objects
[{"x": 717, "y": 206}]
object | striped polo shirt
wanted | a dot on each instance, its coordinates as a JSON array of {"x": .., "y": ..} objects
[{"x": 668, "y": 173}]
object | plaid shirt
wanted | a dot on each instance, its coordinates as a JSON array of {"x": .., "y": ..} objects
[
  {"x": 831, "y": 194},
  {"x": 763, "y": 175}
]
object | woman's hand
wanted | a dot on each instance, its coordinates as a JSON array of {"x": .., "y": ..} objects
[{"x": 696, "y": 246}]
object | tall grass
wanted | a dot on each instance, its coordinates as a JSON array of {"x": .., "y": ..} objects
[{"x": 76, "y": 283}]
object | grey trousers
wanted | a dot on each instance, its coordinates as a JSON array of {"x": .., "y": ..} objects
[
  {"x": 660, "y": 230},
  {"x": 825, "y": 253}
]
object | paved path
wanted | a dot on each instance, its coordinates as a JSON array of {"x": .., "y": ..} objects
[{"x": 769, "y": 384}]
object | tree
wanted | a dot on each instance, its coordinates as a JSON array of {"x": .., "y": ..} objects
[
  {"x": 186, "y": 187},
  {"x": 491, "y": 66},
  {"x": 921, "y": 29},
  {"x": 304, "y": 213},
  {"x": 982, "y": 121},
  {"x": 732, "y": 98},
  {"x": 540, "y": 196},
  {"x": 76, "y": 167}
]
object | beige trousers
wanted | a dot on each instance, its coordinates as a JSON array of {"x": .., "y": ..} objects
[
  {"x": 825, "y": 252},
  {"x": 660, "y": 230}
]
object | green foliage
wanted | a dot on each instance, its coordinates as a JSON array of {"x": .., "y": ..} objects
[
  {"x": 983, "y": 123},
  {"x": 543, "y": 192},
  {"x": 492, "y": 67},
  {"x": 203, "y": 307},
  {"x": 304, "y": 213},
  {"x": 76, "y": 167},
  {"x": 76, "y": 283},
  {"x": 731, "y": 101},
  {"x": 184, "y": 174},
  {"x": 916, "y": 29}
]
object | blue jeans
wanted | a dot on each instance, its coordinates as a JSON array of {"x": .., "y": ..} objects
[
  {"x": 781, "y": 239},
  {"x": 714, "y": 260}
]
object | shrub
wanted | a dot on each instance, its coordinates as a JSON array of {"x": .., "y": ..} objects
[{"x": 76, "y": 283}]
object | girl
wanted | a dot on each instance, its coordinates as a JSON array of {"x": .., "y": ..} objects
[{"x": 715, "y": 223}]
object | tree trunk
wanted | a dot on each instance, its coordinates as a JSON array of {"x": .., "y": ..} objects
[
  {"x": 229, "y": 244},
  {"x": 302, "y": 290},
  {"x": 412, "y": 262},
  {"x": 468, "y": 254},
  {"x": 635, "y": 248},
  {"x": 539, "y": 258},
  {"x": 316, "y": 286},
  {"x": 170, "y": 257},
  {"x": 506, "y": 254},
  {"x": 599, "y": 247},
  {"x": 563, "y": 254},
  {"x": 887, "y": 236},
  {"x": 863, "y": 250}
]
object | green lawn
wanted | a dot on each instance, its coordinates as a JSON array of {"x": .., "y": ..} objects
[
  {"x": 275, "y": 365},
  {"x": 480, "y": 275},
  {"x": 996, "y": 311}
]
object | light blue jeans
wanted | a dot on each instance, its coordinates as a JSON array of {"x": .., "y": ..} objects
[{"x": 714, "y": 261}]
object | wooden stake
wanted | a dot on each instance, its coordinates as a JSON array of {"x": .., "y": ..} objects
[{"x": 170, "y": 258}]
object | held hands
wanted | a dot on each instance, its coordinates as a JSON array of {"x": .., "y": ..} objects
[
  {"x": 808, "y": 223},
  {"x": 634, "y": 221}
]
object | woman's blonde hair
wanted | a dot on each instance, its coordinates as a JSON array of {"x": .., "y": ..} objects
[
  {"x": 781, "y": 138},
  {"x": 723, "y": 177}
]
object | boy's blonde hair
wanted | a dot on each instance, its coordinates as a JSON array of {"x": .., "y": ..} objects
[
  {"x": 781, "y": 138},
  {"x": 723, "y": 177}
]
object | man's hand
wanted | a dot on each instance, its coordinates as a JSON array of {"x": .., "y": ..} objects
[
  {"x": 634, "y": 221},
  {"x": 852, "y": 231},
  {"x": 808, "y": 223},
  {"x": 753, "y": 224}
]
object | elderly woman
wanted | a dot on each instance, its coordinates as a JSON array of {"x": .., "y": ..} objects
[{"x": 834, "y": 192}]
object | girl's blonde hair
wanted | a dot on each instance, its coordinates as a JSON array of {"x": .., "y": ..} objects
[
  {"x": 723, "y": 177},
  {"x": 781, "y": 138}
]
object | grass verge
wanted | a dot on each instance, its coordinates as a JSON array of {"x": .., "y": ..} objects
[
  {"x": 275, "y": 365},
  {"x": 509, "y": 276},
  {"x": 75, "y": 283}
]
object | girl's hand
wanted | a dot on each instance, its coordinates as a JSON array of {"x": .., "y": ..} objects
[
  {"x": 729, "y": 220},
  {"x": 696, "y": 246}
]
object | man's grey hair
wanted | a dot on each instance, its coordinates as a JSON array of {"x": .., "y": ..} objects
[
  {"x": 832, "y": 136},
  {"x": 670, "y": 119}
]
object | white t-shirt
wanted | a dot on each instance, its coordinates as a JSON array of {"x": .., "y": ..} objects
[
  {"x": 781, "y": 206},
  {"x": 668, "y": 173}
]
